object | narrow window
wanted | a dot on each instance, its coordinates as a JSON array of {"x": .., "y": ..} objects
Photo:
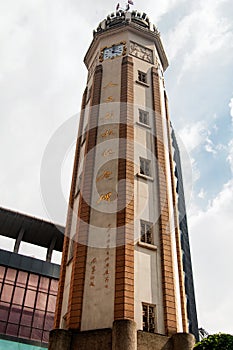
[
  {"x": 146, "y": 232},
  {"x": 148, "y": 318},
  {"x": 78, "y": 185},
  {"x": 143, "y": 117},
  {"x": 83, "y": 136},
  {"x": 71, "y": 249},
  {"x": 88, "y": 94},
  {"x": 72, "y": 235},
  {"x": 142, "y": 77},
  {"x": 145, "y": 168}
]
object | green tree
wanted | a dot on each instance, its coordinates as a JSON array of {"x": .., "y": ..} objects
[{"x": 219, "y": 341}]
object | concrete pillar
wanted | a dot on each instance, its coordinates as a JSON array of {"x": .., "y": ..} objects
[
  {"x": 59, "y": 339},
  {"x": 183, "y": 341},
  {"x": 124, "y": 335}
]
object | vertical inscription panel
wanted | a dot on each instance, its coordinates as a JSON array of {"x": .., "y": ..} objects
[{"x": 99, "y": 288}]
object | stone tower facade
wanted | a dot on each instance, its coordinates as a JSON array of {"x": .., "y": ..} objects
[{"x": 122, "y": 281}]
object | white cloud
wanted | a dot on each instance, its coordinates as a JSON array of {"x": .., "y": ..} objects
[
  {"x": 221, "y": 147},
  {"x": 230, "y": 144},
  {"x": 230, "y": 155},
  {"x": 215, "y": 128},
  {"x": 195, "y": 169},
  {"x": 209, "y": 146},
  {"x": 200, "y": 35},
  {"x": 202, "y": 194},
  {"x": 212, "y": 241},
  {"x": 231, "y": 108},
  {"x": 192, "y": 135}
]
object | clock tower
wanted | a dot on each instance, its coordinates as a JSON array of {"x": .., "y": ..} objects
[{"x": 122, "y": 275}]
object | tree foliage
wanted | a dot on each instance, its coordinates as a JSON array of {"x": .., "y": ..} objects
[{"x": 219, "y": 341}]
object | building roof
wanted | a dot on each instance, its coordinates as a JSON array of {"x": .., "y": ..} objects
[
  {"x": 33, "y": 230},
  {"x": 29, "y": 264}
]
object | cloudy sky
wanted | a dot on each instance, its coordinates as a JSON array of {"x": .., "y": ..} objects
[{"x": 42, "y": 77}]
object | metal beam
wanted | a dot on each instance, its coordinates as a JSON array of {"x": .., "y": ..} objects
[
  {"x": 50, "y": 249},
  {"x": 19, "y": 240}
]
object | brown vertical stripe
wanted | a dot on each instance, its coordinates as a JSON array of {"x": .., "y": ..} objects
[
  {"x": 80, "y": 247},
  {"x": 69, "y": 219},
  {"x": 124, "y": 275},
  {"x": 177, "y": 230},
  {"x": 169, "y": 299}
]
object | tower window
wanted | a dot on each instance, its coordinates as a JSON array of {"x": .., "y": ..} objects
[
  {"x": 145, "y": 167},
  {"x": 89, "y": 94},
  {"x": 143, "y": 117},
  {"x": 142, "y": 77},
  {"x": 84, "y": 135},
  {"x": 78, "y": 185},
  {"x": 71, "y": 250},
  {"x": 146, "y": 232},
  {"x": 148, "y": 318}
]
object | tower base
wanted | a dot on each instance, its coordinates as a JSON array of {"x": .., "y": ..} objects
[{"x": 123, "y": 336}]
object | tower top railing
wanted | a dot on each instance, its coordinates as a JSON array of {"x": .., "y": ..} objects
[{"x": 122, "y": 17}]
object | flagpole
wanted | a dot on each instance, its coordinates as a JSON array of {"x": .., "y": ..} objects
[{"x": 127, "y": 8}]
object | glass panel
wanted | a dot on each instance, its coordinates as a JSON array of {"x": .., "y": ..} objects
[
  {"x": 143, "y": 117},
  {"x": 30, "y": 298},
  {"x": 45, "y": 338},
  {"x": 18, "y": 296},
  {"x": 36, "y": 334},
  {"x": 10, "y": 276},
  {"x": 51, "y": 303},
  {"x": 4, "y": 311},
  {"x": 7, "y": 293},
  {"x": 38, "y": 319},
  {"x": 2, "y": 272},
  {"x": 33, "y": 281},
  {"x": 143, "y": 236},
  {"x": 24, "y": 332},
  {"x": 142, "y": 227},
  {"x": 48, "y": 326},
  {"x": 147, "y": 168},
  {"x": 15, "y": 313},
  {"x": 53, "y": 287},
  {"x": 44, "y": 284},
  {"x": 141, "y": 166},
  {"x": 12, "y": 329},
  {"x": 26, "y": 319},
  {"x": 22, "y": 278},
  {"x": 2, "y": 327},
  {"x": 41, "y": 301}
]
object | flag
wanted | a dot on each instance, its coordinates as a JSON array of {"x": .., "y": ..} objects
[
  {"x": 130, "y": 2},
  {"x": 118, "y": 6}
]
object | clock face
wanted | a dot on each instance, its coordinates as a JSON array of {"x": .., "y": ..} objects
[{"x": 112, "y": 52}]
